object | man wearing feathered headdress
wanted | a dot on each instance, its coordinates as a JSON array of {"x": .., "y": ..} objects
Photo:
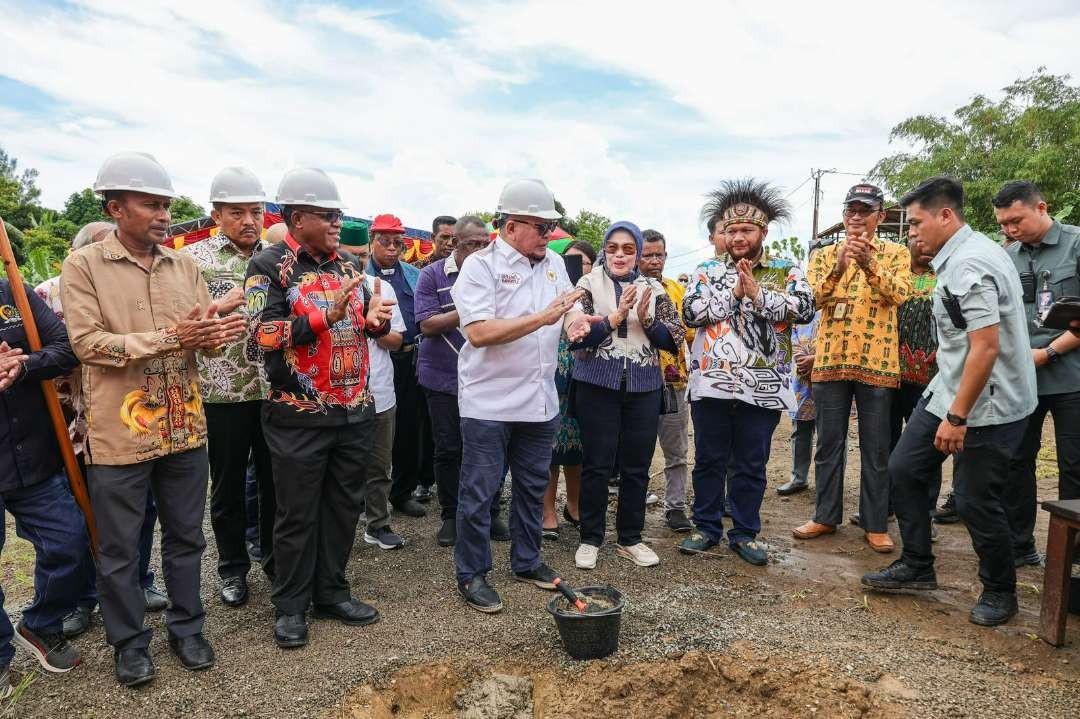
[{"x": 740, "y": 364}]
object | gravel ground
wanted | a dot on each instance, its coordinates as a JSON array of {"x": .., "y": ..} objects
[{"x": 806, "y": 606}]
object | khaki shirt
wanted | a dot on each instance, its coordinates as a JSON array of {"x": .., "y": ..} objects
[{"x": 140, "y": 389}]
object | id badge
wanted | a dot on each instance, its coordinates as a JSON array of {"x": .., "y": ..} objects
[
  {"x": 840, "y": 310},
  {"x": 1046, "y": 298}
]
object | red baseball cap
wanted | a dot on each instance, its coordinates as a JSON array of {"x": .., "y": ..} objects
[{"x": 387, "y": 223}]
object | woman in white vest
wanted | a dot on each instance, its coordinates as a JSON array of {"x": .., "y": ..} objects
[{"x": 617, "y": 392}]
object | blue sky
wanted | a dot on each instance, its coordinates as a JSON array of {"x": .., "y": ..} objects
[{"x": 634, "y": 110}]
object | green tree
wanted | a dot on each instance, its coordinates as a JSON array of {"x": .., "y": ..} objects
[
  {"x": 789, "y": 248},
  {"x": 568, "y": 225},
  {"x": 19, "y": 194},
  {"x": 1031, "y": 133},
  {"x": 184, "y": 208},
  {"x": 83, "y": 207},
  {"x": 482, "y": 214},
  {"x": 590, "y": 226}
]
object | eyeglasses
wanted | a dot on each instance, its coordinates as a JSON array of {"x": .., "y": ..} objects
[
  {"x": 390, "y": 242},
  {"x": 861, "y": 211},
  {"x": 331, "y": 216},
  {"x": 544, "y": 228}
]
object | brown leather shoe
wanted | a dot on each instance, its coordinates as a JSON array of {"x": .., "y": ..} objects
[
  {"x": 812, "y": 529},
  {"x": 880, "y": 542}
]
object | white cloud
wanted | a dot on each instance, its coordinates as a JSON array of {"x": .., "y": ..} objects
[{"x": 420, "y": 125}]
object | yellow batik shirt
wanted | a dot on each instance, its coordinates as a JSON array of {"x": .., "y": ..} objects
[
  {"x": 673, "y": 366},
  {"x": 858, "y": 336}
]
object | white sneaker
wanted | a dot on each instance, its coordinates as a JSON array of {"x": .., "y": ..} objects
[
  {"x": 651, "y": 499},
  {"x": 585, "y": 556},
  {"x": 640, "y": 554}
]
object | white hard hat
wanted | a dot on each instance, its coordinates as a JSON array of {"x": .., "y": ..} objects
[
  {"x": 135, "y": 171},
  {"x": 309, "y": 186},
  {"x": 236, "y": 184},
  {"x": 530, "y": 198}
]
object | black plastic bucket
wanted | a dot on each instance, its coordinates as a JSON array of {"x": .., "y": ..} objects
[{"x": 591, "y": 635}]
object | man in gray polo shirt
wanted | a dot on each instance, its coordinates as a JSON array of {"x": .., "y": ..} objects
[
  {"x": 1045, "y": 253},
  {"x": 976, "y": 407}
]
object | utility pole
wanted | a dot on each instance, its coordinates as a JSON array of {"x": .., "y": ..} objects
[{"x": 816, "y": 174}]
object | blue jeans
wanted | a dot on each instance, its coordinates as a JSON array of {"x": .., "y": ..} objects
[
  {"x": 487, "y": 448},
  {"x": 46, "y": 516},
  {"x": 732, "y": 440}
]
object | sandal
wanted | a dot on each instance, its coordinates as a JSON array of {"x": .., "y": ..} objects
[{"x": 551, "y": 533}]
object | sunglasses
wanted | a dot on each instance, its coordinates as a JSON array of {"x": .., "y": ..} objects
[
  {"x": 331, "y": 216},
  {"x": 544, "y": 228},
  {"x": 390, "y": 243}
]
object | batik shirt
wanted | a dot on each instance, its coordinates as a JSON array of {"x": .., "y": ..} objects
[
  {"x": 918, "y": 340},
  {"x": 140, "y": 387},
  {"x": 803, "y": 338},
  {"x": 857, "y": 338},
  {"x": 673, "y": 364},
  {"x": 743, "y": 349},
  {"x": 318, "y": 373},
  {"x": 68, "y": 385},
  {"x": 237, "y": 374}
]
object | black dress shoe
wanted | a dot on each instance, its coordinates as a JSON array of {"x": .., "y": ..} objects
[
  {"x": 410, "y": 508},
  {"x": 234, "y": 592},
  {"x": 290, "y": 631},
  {"x": 447, "y": 536},
  {"x": 351, "y": 612},
  {"x": 994, "y": 608},
  {"x": 156, "y": 600},
  {"x": 134, "y": 667},
  {"x": 77, "y": 622},
  {"x": 479, "y": 595},
  {"x": 900, "y": 575},
  {"x": 194, "y": 652},
  {"x": 792, "y": 487},
  {"x": 499, "y": 531}
]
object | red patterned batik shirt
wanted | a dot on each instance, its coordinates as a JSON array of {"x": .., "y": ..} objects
[{"x": 318, "y": 373}]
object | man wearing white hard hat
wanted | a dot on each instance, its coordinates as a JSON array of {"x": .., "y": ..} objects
[
  {"x": 137, "y": 312},
  {"x": 514, "y": 299},
  {"x": 312, "y": 316},
  {"x": 234, "y": 385}
]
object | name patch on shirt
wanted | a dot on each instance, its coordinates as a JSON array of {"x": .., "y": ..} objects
[{"x": 511, "y": 278}]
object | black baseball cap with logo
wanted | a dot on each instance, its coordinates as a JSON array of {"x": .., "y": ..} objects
[{"x": 867, "y": 194}]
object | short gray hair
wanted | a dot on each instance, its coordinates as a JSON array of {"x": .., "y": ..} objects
[
  {"x": 468, "y": 221},
  {"x": 90, "y": 233}
]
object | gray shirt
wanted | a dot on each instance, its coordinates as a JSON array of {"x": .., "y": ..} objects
[
  {"x": 981, "y": 277},
  {"x": 1053, "y": 262}
]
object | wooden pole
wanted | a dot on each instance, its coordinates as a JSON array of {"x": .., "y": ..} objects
[{"x": 52, "y": 401}]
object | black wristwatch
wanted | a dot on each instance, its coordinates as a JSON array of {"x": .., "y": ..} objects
[
  {"x": 955, "y": 420},
  {"x": 1052, "y": 355}
]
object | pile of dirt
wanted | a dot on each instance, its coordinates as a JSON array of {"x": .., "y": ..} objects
[{"x": 742, "y": 682}]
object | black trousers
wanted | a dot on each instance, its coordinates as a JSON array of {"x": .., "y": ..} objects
[
  {"x": 413, "y": 448},
  {"x": 607, "y": 416},
  {"x": 320, "y": 475},
  {"x": 118, "y": 495},
  {"x": 904, "y": 402},
  {"x": 1020, "y": 499},
  {"x": 980, "y": 474},
  {"x": 234, "y": 433},
  {"x": 446, "y": 435}
]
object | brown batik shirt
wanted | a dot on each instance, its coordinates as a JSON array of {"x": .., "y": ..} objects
[{"x": 140, "y": 388}]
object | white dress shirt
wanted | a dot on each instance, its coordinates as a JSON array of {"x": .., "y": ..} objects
[
  {"x": 380, "y": 366},
  {"x": 512, "y": 382}
]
